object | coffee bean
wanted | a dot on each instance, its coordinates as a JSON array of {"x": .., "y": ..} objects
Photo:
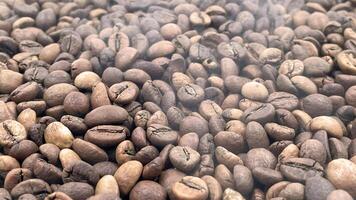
[
  {"x": 262, "y": 113},
  {"x": 106, "y": 135},
  {"x": 339, "y": 168},
  {"x": 58, "y": 134},
  {"x": 15, "y": 176},
  {"x": 81, "y": 147},
  {"x": 329, "y": 124},
  {"x": 124, "y": 92},
  {"x": 11, "y": 132},
  {"x": 77, "y": 190},
  {"x": 260, "y": 157},
  {"x": 160, "y": 135},
  {"x": 283, "y": 100},
  {"x": 105, "y": 115},
  {"x": 230, "y": 194},
  {"x": 243, "y": 179},
  {"x": 31, "y": 186},
  {"x": 318, "y": 188},
  {"x": 184, "y": 158},
  {"x": 279, "y": 132},
  {"x": 148, "y": 189},
  {"x": 80, "y": 172},
  {"x": 299, "y": 169},
  {"x": 337, "y": 194},
  {"x": 191, "y": 188},
  {"x": 47, "y": 172},
  {"x": 267, "y": 176},
  {"x": 127, "y": 175}
]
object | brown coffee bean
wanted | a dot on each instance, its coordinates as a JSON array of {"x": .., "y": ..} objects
[
  {"x": 160, "y": 135},
  {"x": 80, "y": 172},
  {"x": 127, "y": 175},
  {"x": 82, "y": 147},
  {"x": 329, "y": 124},
  {"x": 339, "y": 194},
  {"x": 11, "y": 132},
  {"x": 86, "y": 80},
  {"x": 243, "y": 179},
  {"x": 58, "y": 134},
  {"x": 160, "y": 49},
  {"x": 345, "y": 60},
  {"x": 47, "y": 172},
  {"x": 337, "y": 170},
  {"x": 190, "y": 188},
  {"x": 230, "y": 194},
  {"x": 350, "y": 96},
  {"x": 148, "y": 189},
  {"x": 76, "y": 103},
  {"x": 267, "y": 176},
  {"x": 279, "y": 132},
  {"x": 313, "y": 149},
  {"x": 106, "y": 135},
  {"x": 77, "y": 190},
  {"x": 23, "y": 149},
  {"x": 15, "y": 176},
  {"x": 260, "y": 157},
  {"x": 124, "y": 92},
  {"x": 318, "y": 188},
  {"x": 299, "y": 169},
  {"x": 10, "y": 80},
  {"x": 184, "y": 158},
  {"x": 107, "y": 184},
  {"x": 31, "y": 186},
  {"x": 124, "y": 152},
  {"x": 232, "y": 141},
  {"x": 106, "y": 115}
]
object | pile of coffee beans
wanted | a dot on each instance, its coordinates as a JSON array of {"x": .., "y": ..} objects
[{"x": 178, "y": 99}]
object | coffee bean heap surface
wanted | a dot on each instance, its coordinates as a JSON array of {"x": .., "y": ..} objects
[{"x": 178, "y": 99}]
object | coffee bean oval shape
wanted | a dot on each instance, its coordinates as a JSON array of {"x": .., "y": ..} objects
[
  {"x": 148, "y": 190},
  {"x": 160, "y": 135},
  {"x": 58, "y": 134},
  {"x": 124, "y": 92},
  {"x": 127, "y": 175},
  {"x": 89, "y": 152},
  {"x": 190, "y": 187},
  {"x": 329, "y": 124},
  {"x": 11, "y": 132},
  {"x": 341, "y": 173},
  {"x": 106, "y": 135},
  {"x": 106, "y": 115},
  {"x": 254, "y": 91},
  {"x": 184, "y": 158}
]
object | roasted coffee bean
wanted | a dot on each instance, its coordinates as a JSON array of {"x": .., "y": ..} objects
[
  {"x": 31, "y": 186},
  {"x": 15, "y": 176},
  {"x": 127, "y": 175},
  {"x": 76, "y": 190},
  {"x": 82, "y": 147},
  {"x": 58, "y": 134},
  {"x": 191, "y": 188},
  {"x": 318, "y": 188},
  {"x": 46, "y": 171},
  {"x": 260, "y": 157},
  {"x": 11, "y": 132},
  {"x": 161, "y": 135},
  {"x": 80, "y": 172},
  {"x": 184, "y": 158},
  {"x": 267, "y": 176},
  {"x": 262, "y": 113},
  {"x": 106, "y": 115},
  {"x": 299, "y": 169},
  {"x": 106, "y": 135}
]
